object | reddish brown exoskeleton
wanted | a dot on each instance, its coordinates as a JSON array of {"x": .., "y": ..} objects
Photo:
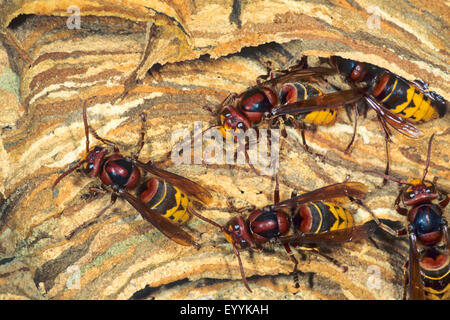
[
  {"x": 398, "y": 103},
  {"x": 162, "y": 200},
  {"x": 423, "y": 204},
  {"x": 304, "y": 220}
]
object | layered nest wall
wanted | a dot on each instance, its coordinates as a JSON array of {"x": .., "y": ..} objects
[{"x": 204, "y": 50}]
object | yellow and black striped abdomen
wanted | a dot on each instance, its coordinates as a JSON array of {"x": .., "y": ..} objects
[
  {"x": 436, "y": 276},
  {"x": 321, "y": 216},
  {"x": 437, "y": 290},
  {"x": 166, "y": 199},
  {"x": 405, "y": 99},
  {"x": 293, "y": 92}
]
